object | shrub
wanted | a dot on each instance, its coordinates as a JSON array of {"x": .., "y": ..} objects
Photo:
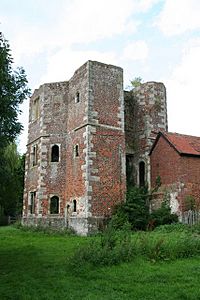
[
  {"x": 163, "y": 216},
  {"x": 134, "y": 211}
]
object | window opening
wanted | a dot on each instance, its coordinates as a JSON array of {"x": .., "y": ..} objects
[
  {"x": 55, "y": 153},
  {"x": 141, "y": 174},
  {"x": 54, "y": 205},
  {"x": 74, "y": 205},
  {"x": 76, "y": 150},
  {"x": 35, "y": 109},
  {"x": 77, "y": 98},
  {"x": 32, "y": 202},
  {"x": 34, "y": 155}
]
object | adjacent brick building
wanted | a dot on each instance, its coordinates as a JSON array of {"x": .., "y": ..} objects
[
  {"x": 175, "y": 159},
  {"x": 83, "y": 135}
]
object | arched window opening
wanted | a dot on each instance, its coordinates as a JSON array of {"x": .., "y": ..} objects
[
  {"x": 55, "y": 153},
  {"x": 141, "y": 174},
  {"x": 74, "y": 205},
  {"x": 54, "y": 205},
  {"x": 77, "y": 98}
]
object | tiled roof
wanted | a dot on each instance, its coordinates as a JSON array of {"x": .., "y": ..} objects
[{"x": 184, "y": 144}]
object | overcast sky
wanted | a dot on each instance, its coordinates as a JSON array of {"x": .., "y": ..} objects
[{"x": 158, "y": 40}]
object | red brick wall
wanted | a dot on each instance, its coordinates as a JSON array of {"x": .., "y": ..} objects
[
  {"x": 190, "y": 176},
  {"x": 76, "y": 113},
  {"x": 106, "y": 84},
  {"x": 165, "y": 162},
  {"x": 74, "y": 175},
  {"x": 110, "y": 188},
  {"x": 108, "y": 141},
  {"x": 179, "y": 173}
]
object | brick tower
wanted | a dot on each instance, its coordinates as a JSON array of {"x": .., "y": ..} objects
[{"x": 75, "y": 162}]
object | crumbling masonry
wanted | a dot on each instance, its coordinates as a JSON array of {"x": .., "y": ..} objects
[{"x": 86, "y": 138}]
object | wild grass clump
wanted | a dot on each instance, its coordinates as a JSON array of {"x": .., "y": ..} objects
[
  {"x": 167, "y": 245},
  {"x": 174, "y": 227},
  {"x": 112, "y": 247}
]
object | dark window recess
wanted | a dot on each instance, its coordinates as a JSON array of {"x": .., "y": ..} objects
[
  {"x": 32, "y": 202},
  {"x": 141, "y": 174},
  {"x": 74, "y": 205},
  {"x": 54, "y": 205},
  {"x": 76, "y": 150},
  {"x": 55, "y": 153},
  {"x": 34, "y": 156}
]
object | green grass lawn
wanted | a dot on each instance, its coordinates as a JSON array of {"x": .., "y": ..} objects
[{"x": 36, "y": 266}]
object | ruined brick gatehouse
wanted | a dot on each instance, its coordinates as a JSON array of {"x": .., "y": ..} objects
[{"x": 83, "y": 135}]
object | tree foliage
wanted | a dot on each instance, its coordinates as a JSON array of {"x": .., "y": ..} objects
[
  {"x": 12, "y": 188},
  {"x": 136, "y": 211},
  {"x": 13, "y": 91},
  {"x": 137, "y": 81}
]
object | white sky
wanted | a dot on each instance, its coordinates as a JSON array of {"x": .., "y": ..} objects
[{"x": 158, "y": 40}]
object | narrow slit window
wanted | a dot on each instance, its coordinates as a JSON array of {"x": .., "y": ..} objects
[
  {"x": 141, "y": 174},
  {"x": 54, "y": 205},
  {"x": 32, "y": 202},
  {"x": 74, "y": 206},
  {"x": 77, "y": 98},
  {"x": 76, "y": 150},
  {"x": 35, "y": 109},
  {"x": 55, "y": 153},
  {"x": 34, "y": 155}
]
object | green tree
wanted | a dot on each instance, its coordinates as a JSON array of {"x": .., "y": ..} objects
[
  {"x": 13, "y": 91},
  {"x": 12, "y": 192}
]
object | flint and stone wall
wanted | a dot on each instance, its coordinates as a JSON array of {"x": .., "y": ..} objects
[{"x": 145, "y": 116}]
